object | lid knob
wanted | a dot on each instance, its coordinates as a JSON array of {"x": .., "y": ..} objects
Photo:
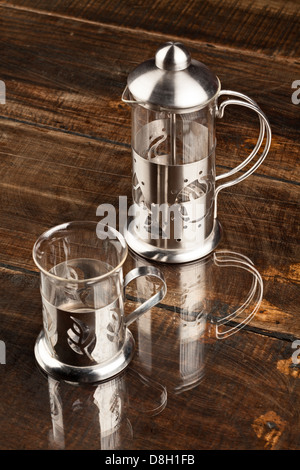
[
  {"x": 172, "y": 80},
  {"x": 172, "y": 56}
]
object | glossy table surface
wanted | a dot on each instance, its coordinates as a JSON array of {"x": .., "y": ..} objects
[{"x": 65, "y": 149}]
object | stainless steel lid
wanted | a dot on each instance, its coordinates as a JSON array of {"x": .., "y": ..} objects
[{"x": 173, "y": 80}]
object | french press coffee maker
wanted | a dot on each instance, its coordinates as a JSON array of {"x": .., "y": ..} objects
[{"x": 175, "y": 103}]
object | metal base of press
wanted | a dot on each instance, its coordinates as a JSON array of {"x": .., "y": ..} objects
[
  {"x": 90, "y": 374},
  {"x": 146, "y": 250}
]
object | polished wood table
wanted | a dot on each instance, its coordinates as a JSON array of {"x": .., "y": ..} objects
[{"x": 65, "y": 149}]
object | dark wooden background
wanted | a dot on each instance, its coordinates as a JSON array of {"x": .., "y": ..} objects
[{"x": 65, "y": 149}]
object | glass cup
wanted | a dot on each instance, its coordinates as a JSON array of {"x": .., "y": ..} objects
[{"x": 85, "y": 336}]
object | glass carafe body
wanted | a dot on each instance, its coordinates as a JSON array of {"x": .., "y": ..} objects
[{"x": 173, "y": 186}]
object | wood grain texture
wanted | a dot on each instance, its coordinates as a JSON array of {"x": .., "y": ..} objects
[
  {"x": 50, "y": 87},
  {"x": 65, "y": 149},
  {"x": 78, "y": 176},
  {"x": 269, "y": 27},
  {"x": 243, "y": 388}
]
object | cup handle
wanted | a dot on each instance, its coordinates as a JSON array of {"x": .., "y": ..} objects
[
  {"x": 230, "y": 258},
  {"x": 264, "y": 127},
  {"x": 145, "y": 306}
]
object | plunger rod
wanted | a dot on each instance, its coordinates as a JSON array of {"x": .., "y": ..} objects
[{"x": 173, "y": 138}]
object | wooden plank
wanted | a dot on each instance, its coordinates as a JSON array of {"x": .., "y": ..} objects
[
  {"x": 78, "y": 177},
  {"x": 82, "y": 169},
  {"x": 51, "y": 87},
  {"x": 107, "y": 156},
  {"x": 261, "y": 26},
  {"x": 228, "y": 401},
  {"x": 78, "y": 174},
  {"x": 61, "y": 157}
]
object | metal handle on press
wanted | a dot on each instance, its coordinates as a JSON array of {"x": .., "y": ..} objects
[{"x": 264, "y": 128}]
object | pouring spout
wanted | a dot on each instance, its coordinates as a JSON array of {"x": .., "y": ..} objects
[{"x": 126, "y": 97}]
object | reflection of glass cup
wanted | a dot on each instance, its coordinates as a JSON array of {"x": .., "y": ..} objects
[{"x": 85, "y": 336}]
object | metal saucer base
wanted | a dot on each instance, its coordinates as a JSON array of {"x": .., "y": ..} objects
[
  {"x": 144, "y": 249},
  {"x": 90, "y": 374}
]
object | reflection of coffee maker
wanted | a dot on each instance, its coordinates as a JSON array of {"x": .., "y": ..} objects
[
  {"x": 211, "y": 299},
  {"x": 102, "y": 413},
  {"x": 175, "y": 103}
]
